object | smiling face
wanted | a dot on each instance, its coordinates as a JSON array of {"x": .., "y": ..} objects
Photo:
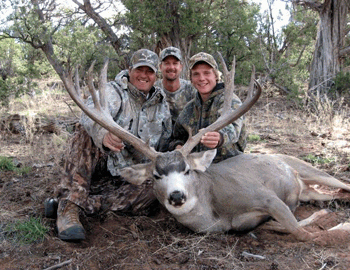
[
  {"x": 143, "y": 78},
  {"x": 203, "y": 79},
  {"x": 171, "y": 68}
]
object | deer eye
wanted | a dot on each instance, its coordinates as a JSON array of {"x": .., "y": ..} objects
[
  {"x": 156, "y": 176},
  {"x": 187, "y": 172}
]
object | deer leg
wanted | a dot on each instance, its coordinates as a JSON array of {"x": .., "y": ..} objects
[
  {"x": 283, "y": 215},
  {"x": 275, "y": 226},
  {"x": 308, "y": 193},
  {"x": 248, "y": 221},
  {"x": 342, "y": 226},
  {"x": 312, "y": 176}
]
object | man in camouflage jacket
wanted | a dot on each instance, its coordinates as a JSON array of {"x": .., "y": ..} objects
[
  {"x": 178, "y": 91},
  {"x": 205, "y": 109},
  {"x": 137, "y": 106}
]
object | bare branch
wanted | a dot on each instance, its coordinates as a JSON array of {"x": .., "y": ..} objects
[
  {"x": 314, "y": 5},
  {"x": 101, "y": 22},
  {"x": 344, "y": 51},
  {"x": 300, "y": 55}
]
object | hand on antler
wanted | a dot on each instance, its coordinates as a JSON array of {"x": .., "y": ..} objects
[
  {"x": 113, "y": 142},
  {"x": 211, "y": 139}
]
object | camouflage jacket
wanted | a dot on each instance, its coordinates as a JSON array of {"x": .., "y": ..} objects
[
  {"x": 177, "y": 100},
  {"x": 146, "y": 117},
  {"x": 197, "y": 115}
]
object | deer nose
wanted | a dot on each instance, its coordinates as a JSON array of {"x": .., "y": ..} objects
[{"x": 177, "y": 198}]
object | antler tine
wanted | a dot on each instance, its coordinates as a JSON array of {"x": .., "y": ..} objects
[
  {"x": 252, "y": 81},
  {"x": 227, "y": 117},
  {"x": 229, "y": 78},
  {"x": 91, "y": 87},
  {"x": 76, "y": 81},
  {"x": 100, "y": 114},
  {"x": 102, "y": 83}
]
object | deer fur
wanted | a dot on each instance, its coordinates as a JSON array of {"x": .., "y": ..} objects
[{"x": 236, "y": 194}]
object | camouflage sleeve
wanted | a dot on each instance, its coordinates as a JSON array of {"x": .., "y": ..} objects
[
  {"x": 179, "y": 136},
  {"x": 230, "y": 133},
  {"x": 97, "y": 132},
  {"x": 166, "y": 134}
]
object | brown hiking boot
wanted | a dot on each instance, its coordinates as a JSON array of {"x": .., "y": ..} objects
[{"x": 68, "y": 224}]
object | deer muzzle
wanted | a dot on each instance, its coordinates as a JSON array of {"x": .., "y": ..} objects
[{"x": 177, "y": 198}]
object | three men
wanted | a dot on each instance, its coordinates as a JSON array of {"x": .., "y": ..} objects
[{"x": 143, "y": 109}]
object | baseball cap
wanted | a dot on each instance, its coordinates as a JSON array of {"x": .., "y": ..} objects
[
  {"x": 202, "y": 57},
  {"x": 170, "y": 51},
  {"x": 144, "y": 57}
]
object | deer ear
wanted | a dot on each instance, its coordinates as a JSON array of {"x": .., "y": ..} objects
[
  {"x": 202, "y": 160},
  {"x": 137, "y": 174}
]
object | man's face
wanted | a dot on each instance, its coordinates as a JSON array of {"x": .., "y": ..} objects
[
  {"x": 143, "y": 78},
  {"x": 203, "y": 79},
  {"x": 171, "y": 68}
]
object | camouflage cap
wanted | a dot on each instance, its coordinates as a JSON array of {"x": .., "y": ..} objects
[
  {"x": 170, "y": 51},
  {"x": 144, "y": 57},
  {"x": 202, "y": 57}
]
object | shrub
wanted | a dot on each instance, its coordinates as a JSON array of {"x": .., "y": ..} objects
[
  {"x": 342, "y": 83},
  {"x": 6, "y": 164},
  {"x": 316, "y": 159},
  {"x": 253, "y": 138}
]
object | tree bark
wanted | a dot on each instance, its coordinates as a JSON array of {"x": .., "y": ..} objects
[{"x": 330, "y": 43}]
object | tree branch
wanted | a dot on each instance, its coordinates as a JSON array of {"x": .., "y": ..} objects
[
  {"x": 344, "y": 51},
  {"x": 314, "y": 5},
  {"x": 101, "y": 22},
  {"x": 300, "y": 55}
]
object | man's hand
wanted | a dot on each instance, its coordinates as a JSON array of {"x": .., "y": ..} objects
[
  {"x": 113, "y": 142},
  {"x": 211, "y": 139}
]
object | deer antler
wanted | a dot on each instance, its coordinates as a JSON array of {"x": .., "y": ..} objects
[
  {"x": 100, "y": 113},
  {"x": 228, "y": 115}
]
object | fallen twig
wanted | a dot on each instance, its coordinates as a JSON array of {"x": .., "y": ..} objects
[
  {"x": 246, "y": 254},
  {"x": 59, "y": 265}
]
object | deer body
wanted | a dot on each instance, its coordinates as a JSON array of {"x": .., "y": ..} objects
[{"x": 234, "y": 194}]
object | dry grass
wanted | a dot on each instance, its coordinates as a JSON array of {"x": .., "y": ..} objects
[{"x": 50, "y": 112}]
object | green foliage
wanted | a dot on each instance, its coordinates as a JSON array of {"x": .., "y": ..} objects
[
  {"x": 342, "y": 83},
  {"x": 287, "y": 55},
  {"x": 253, "y": 138},
  {"x": 6, "y": 164},
  {"x": 152, "y": 20},
  {"x": 317, "y": 159},
  {"x": 27, "y": 232},
  {"x": 5, "y": 91},
  {"x": 233, "y": 27},
  {"x": 23, "y": 170},
  {"x": 20, "y": 64},
  {"x": 78, "y": 44}
]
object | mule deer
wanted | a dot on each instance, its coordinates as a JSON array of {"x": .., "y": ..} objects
[{"x": 237, "y": 194}]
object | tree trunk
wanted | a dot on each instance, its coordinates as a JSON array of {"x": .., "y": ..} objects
[{"x": 330, "y": 40}]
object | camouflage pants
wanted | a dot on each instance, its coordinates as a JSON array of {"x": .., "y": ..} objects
[{"x": 87, "y": 183}]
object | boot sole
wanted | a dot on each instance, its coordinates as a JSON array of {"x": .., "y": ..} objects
[{"x": 74, "y": 233}]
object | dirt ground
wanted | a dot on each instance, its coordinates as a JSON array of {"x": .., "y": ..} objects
[{"x": 158, "y": 241}]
